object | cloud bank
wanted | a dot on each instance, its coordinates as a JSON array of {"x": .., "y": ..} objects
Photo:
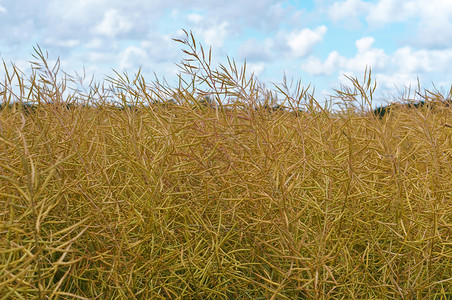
[{"x": 317, "y": 41}]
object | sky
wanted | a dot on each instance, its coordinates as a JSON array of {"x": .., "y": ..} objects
[{"x": 317, "y": 42}]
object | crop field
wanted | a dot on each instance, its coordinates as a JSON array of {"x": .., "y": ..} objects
[{"x": 214, "y": 189}]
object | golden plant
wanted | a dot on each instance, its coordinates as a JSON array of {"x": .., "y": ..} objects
[{"x": 131, "y": 190}]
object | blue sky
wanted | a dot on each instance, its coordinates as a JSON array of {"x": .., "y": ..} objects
[{"x": 316, "y": 42}]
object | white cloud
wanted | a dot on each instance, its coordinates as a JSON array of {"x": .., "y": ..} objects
[
  {"x": 348, "y": 9},
  {"x": 301, "y": 42},
  {"x": 399, "y": 80},
  {"x": 69, "y": 43},
  {"x": 215, "y": 36},
  {"x": 435, "y": 25},
  {"x": 113, "y": 24},
  {"x": 423, "y": 60},
  {"x": 132, "y": 57},
  {"x": 3, "y": 10},
  {"x": 412, "y": 61},
  {"x": 366, "y": 56},
  {"x": 255, "y": 68},
  {"x": 430, "y": 20},
  {"x": 364, "y": 44},
  {"x": 161, "y": 48},
  {"x": 265, "y": 15},
  {"x": 376, "y": 13},
  {"x": 400, "y": 69},
  {"x": 94, "y": 43},
  {"x": 195, "y": 18},
  {"x": 212, "y": 31},
  {"x": 315, "y": 66},
  {"x": 98, "y": 56},
  {"x": 389, "y": 11}
]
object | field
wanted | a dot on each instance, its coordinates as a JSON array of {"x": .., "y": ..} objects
[{"x": 135, "y": 190}]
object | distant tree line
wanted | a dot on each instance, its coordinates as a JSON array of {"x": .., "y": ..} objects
[
  {"x": 207, "y": 102},
  {"x": 383, "y": 111}
]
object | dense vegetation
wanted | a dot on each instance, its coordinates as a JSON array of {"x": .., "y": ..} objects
[{"x": 132, "y": 190}]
